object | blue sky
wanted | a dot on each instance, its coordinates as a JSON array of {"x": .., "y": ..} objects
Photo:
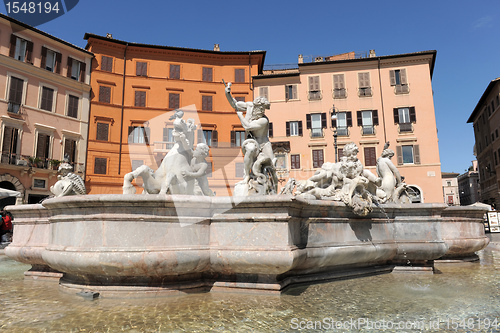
[{"x": 464, "y": 33}]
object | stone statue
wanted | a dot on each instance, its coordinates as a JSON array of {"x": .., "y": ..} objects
[
  {"x": 181, "y": 168},
  {"x": 68, "y": 183},
  {"x": 259, "y": 162},
  {"x": 358, "y": 188}
]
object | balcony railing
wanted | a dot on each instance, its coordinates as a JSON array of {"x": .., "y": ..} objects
[
  {"x": 14, "y": 108},
  {"x": 365, "y": 92},
  {"x": 402, "y": 89},
  {"x": 405, "y": 127},
  {"x": 314, "y": 95},
  {"x": 36, "y": 162},
  {"x": 342, "y": 131},
  {"x": 316, "y": 133},
  {"x": 368, "y": 130},
  {"x": 339, "y": 93}
]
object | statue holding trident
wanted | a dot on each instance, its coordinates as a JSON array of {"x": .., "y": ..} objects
[{"x": 260, "y": 173}]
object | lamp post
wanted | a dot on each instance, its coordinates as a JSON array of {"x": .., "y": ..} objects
[{"x": 334, "y": 129}]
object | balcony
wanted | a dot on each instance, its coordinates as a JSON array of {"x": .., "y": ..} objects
[
  {"x": 314, "y": 95},
  {"x": 163, "y": 146},
  {"x": 317, "y": 133},
  {"x": 342, "y": 131},
  {"x": 340, "y": 93},
  {"x": 365, "y": 92},
  {"x": 401, "y": 89},
  {"x": 367, "y": 130},
  {"x": 31, "y": 162},
  {"x": 405, "y": 127},
  {"x": 14, "y": 108}
]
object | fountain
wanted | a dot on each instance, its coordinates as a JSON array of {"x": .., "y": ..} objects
[{"x": 179, "y": 238}]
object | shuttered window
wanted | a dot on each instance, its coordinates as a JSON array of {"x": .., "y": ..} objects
[
  {"x": 237, "y": 138},
  {"x": 207, "y": 74},
  {"x": 175, "y": 72},
  {"x": 106, "y": 64},
  {"x": 141, "y": 68},
  {"x": 102, "y": 132},
  {"x": 70, "y": 150},
  {"x": 73, "y": 102},
  {"x": 264, "y": 92},
  {"x": 364, "y": 84},
  {"x": 174, "y": 100},
  {"x": 76, "y": 70},
  {"x": 370, "y": 156},
  {"x": 293, "y": 128},
  {"x": 9, "y": 145},
  {"x": 239, "y": 171},
  {"x": 20, "y": 49},
  {"x": 339, "y": 90},
  {"x": 104, "y": 94},
  {"x": 15, "y": 94},
  {"x": 314, "y": 88},
  {"x": 42, "y": 146},
  {"x": 318, "y": 158},
  {"x": 206, "y": 103},
  {"x": 270, "y": 132},
  {"x": 100, "y": 165},
  {"x": 291, "y": 91},
  {"x": 138, "y": 134},
  {"x": 140, "y": 98},
  {"x": 295, "y": 161},
  {"x": 408, "y": 154},
  {"x": 239, "y": 75},
  {"x": 47, "y": 99}
]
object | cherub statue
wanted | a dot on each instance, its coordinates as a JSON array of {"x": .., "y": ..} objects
[{"x": 199, "y": 168}]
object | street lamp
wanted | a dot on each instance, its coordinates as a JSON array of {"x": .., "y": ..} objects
[{"x": 333, "y": 112}]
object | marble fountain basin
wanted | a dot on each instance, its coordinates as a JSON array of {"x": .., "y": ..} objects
[{"x": 157, "y": 244}]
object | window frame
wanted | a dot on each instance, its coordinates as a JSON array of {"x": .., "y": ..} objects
[
  {"x": 293, "y": 90},
  {"x": 177, "y": 72},
  {"x": 54, "y": 97},
  {"x": 8, "y": 87},
  {"x": 105, "y": 159},
  {"x": 69, "y": 95}
]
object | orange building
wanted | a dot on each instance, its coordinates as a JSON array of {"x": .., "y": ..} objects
[
  {"x": 375, "y": 98},
  {"x": 136, "y": 88}
]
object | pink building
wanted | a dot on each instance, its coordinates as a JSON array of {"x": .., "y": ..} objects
[
  {"x": 375, "y": 99},
  {"x": 44, "y": 109}
]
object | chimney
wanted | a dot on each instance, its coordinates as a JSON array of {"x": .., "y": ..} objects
[
  {"x": 372, "y": 54},
  {"x": 301, "y": 59},
  {"x": 108, "y": 35},
  {"x": 216, "y": 47}
]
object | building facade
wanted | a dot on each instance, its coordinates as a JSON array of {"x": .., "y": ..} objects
[
  {"x": 451, "y": 192},
  {"x": 486, "y": 122},
  {"x": 375, "y": 100},
  {"x": 468, "y": 186},
  {"x": 44, "y": 109},
  {"x": 137, "y": 87}
]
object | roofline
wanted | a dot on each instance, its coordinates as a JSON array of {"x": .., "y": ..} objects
[
  {"x": 404, "y": 55},
  {"x": 43, "y": 33},
  {"x": 266, "y": 76},
  {"x": 87, "y": 36},
  {"x": 481, "y": 100}
]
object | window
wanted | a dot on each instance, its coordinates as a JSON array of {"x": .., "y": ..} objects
[
  {"x": 9, "y": 145},
  {"x": 209, "y": 169},
  {"x": 295, "y": 161},
  {"x": 104, "y": 94},
  {"x": 141, "y": 68},
  {"x": 100, "y": 165},
  {"x": 15, "y": 95},
  {"x": 316, "y": 122},
  {"x": 138, "y": 134},
  {"x": 168, "y": 137},
  {"x": 20, "y": 49},
  {"x": 314, "y": 89},
  {"x": 339, "y": 90},
  {"x": 365, "y": 88},
  {"x": 207, "y": 74},
  {"x": 106, "y": 64},
  {"x": 291, "y": 91},
  {"x": 270, "y": 131},
  {"x": 264, "y": 92},
  {"x": 175, "y": 72},
  {"x": 39, "y": 183},
  {"x": 318, "y": 158},
  {"x": 140, "y": 98},
  {"x": 206, "y": 103},
  {"x": 294, "y": 128},
  {"x": 408, "y": 154},
  {"x": 367, "y": 120},
  {"x": 102, "y": 133},
  {"x": 76, "y": 70},
  {"x": 370, "y": 156},
  {"x": 73, "y": 103},
  {"x": 343, "y": 121},
  {"x": 399, "y": 81},
  {"x": 174, "y": 100},
  {"x": 70, "y": 150},
  {"x": 47, "y": 98},
  {"x": 405, "y": 117},
  {"x": 208, "y": 136},
  {"x": 50, "y": 60},
  {"x": 239, "y": 98},
  {"x": 281, "y": 160},
  {"x": 448, "y": 183},
  {"x": 43, "y": 146},
  {"x": 450, "y": 200},
  {"x": 239, "y": 75},
  {"x": 237, "y": 138}
]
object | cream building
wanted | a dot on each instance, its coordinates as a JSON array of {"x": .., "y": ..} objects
[
  {"x": 44, "y": 109},
  {"x": 376, "y": 99}
]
